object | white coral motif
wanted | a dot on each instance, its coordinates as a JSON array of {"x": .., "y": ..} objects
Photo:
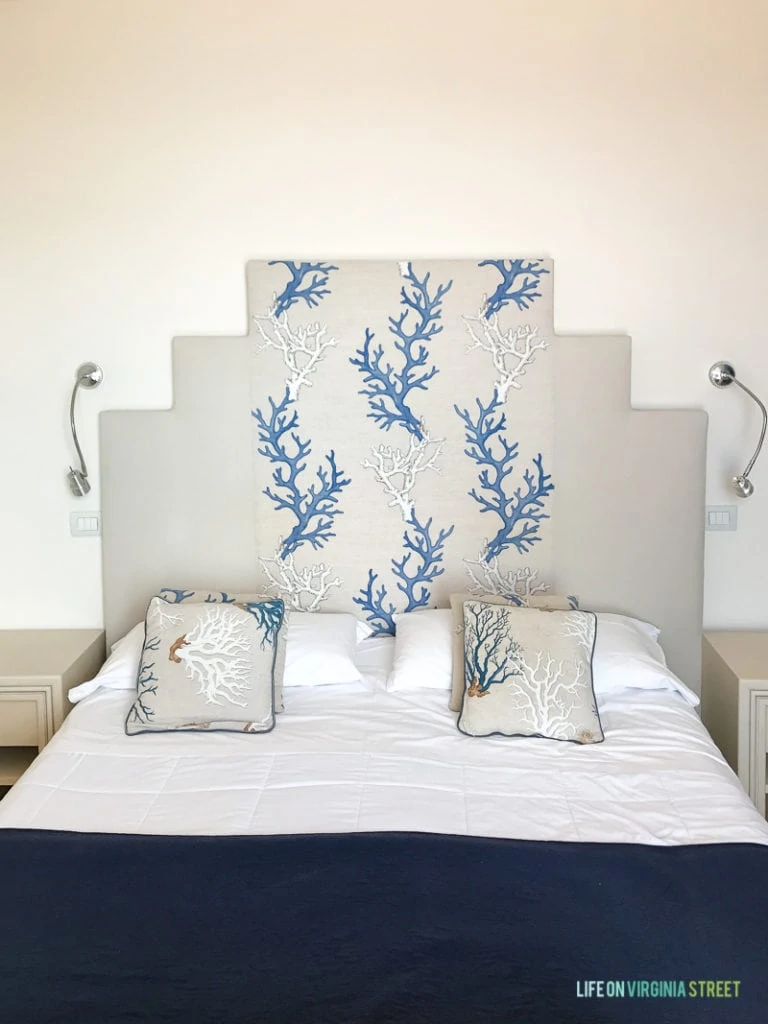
[
  {"x": 581, "y": 629},
  {"x": 304, "y": 589},
  {"x": 215, "y": 655},
  {"x": 512, "y": 351},
  {"x": 397, "y": 469},
  {"x": 302, "y": 347},
  {"x": 489, "y": 578},
  {"x": 546, "y": 692},
  {"x": 161, "y": 616}
]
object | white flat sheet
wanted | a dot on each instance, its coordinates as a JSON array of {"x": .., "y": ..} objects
[{"x": 343, "y": 759}]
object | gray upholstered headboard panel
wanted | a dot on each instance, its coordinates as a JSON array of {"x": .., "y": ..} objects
[{"x": 178, "y": 491}]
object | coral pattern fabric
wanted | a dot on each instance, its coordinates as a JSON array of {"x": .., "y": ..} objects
[{"x": 421, "y": 393}]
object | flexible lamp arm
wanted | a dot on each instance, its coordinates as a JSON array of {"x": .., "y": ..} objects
[
  {"x": 722, "y": 375},
  {"x": 73, "y": 428},
  {"x": 89, "y": 375}
]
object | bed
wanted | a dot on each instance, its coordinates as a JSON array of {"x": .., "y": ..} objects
[
  {"x": 365, "y": 861},
  {"x": 362, "y": 759},
  {"x": 403, "y": 872}
]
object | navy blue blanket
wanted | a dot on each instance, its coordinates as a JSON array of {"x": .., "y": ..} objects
[{"x": 101, "y": 929}]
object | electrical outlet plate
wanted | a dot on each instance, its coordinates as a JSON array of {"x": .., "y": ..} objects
[
  {"x": 722, "y": 517},
  {"x": 85, "y": 524}
]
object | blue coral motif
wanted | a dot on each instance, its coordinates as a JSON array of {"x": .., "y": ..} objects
[
  {"x": 373, "y": 600},
  {"x": 307, "y": 284},
  {"x": 420, "y": 566},
  {"x": 490, "y": 653},
  {"x": 269, "y": 617},
  {"x": 146, "y": 686},
  {"x": 522, "y": 509},
  {"x": 520, "y": 281},
  {"x": 176, "y": 596},
  {"x": 314, "y": 507},
  {"x": 388, "y": 387}
]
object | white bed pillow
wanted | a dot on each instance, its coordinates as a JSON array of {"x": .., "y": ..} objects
[
  {"x": 627, "y": 655},
  {"x": 119, "y": 671},
  {"x": 320, "y": 650},
  {"x": 423, "y": 655}
]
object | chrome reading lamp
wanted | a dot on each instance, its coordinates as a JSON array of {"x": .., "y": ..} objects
[
  {"x": 722, "y": 375},
  {"x": 89, "y": 375}
]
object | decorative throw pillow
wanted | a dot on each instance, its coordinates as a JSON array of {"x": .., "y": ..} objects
[
  {"x": 529, "y": 673},
  {"x": 208, "y": 666},
  {"x": 548, "y": 602},
  {"x": 173, "y": 596}
]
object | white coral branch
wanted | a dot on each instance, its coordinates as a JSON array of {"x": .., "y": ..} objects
[
  {"x": 160, "y": 616},
  {"x": 580, "y": 628},
  {"x": 215, "y": 655},
  {"x": 490, "y": 578},
  {"x": 547, "y": 691},
  {"x": 397, "y": 470},
  {"x": 304, "y": 589},
  {"x": 302, "y": 347},
  {"x": 511, "y": 351}
]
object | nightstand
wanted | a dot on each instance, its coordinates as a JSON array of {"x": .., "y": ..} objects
[
  {"x": 37, "y": 668},
  {"x": 734, "y": 704}
]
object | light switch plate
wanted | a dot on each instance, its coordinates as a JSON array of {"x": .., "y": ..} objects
[
  {"x": 722, "y": 517},
  {"x": 85, "y": 524}
]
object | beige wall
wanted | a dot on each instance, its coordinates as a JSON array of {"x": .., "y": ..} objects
[{"x": 148, "y": 148}]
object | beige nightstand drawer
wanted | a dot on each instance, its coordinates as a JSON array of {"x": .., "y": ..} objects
[{"x": 22, "y": 720}]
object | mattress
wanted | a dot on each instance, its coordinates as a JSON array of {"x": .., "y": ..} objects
[{"x": 361, "y": 759}]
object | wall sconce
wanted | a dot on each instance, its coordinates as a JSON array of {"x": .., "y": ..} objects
[
  {"x": 89, "y": 375},
  {"x": 722, "y": 375}
]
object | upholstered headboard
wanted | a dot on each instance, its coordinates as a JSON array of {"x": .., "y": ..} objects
[{"x": 389, "y": 432}]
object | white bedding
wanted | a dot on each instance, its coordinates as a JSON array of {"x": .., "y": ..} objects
[{"x": 349, "y": 759}]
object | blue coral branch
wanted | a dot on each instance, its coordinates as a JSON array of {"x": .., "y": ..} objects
[
  {"x": 387, "y": 387},
  {"x": 521, "y": 511},
  {"x": 422, "y": 562},
  {"x": 153, "y": 644},
  {"x": 269, "y": 617},
  {"x": 312, "y": 293},
  {"x": 490, "y": 654},
  {"x": 314, "y": 508},
  {"x": 141, "y": 711},
  {"x": 519, "y": 284},
  {"x": 373, "y": 601},
  {"x": 175, "y": 596},
  {"x": 223, "y": 598},
  {"x": 420, "y": 565}
]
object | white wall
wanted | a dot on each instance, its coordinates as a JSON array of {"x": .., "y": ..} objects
[{"x": 148, "y": 148}]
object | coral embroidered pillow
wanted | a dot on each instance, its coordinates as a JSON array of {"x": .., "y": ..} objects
[
  {"x": 175, "y": 596},
  {"x": 549, "y": 602},
  {"x": 529, "y": 673},
  {"x": 208, "y": 666}
]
